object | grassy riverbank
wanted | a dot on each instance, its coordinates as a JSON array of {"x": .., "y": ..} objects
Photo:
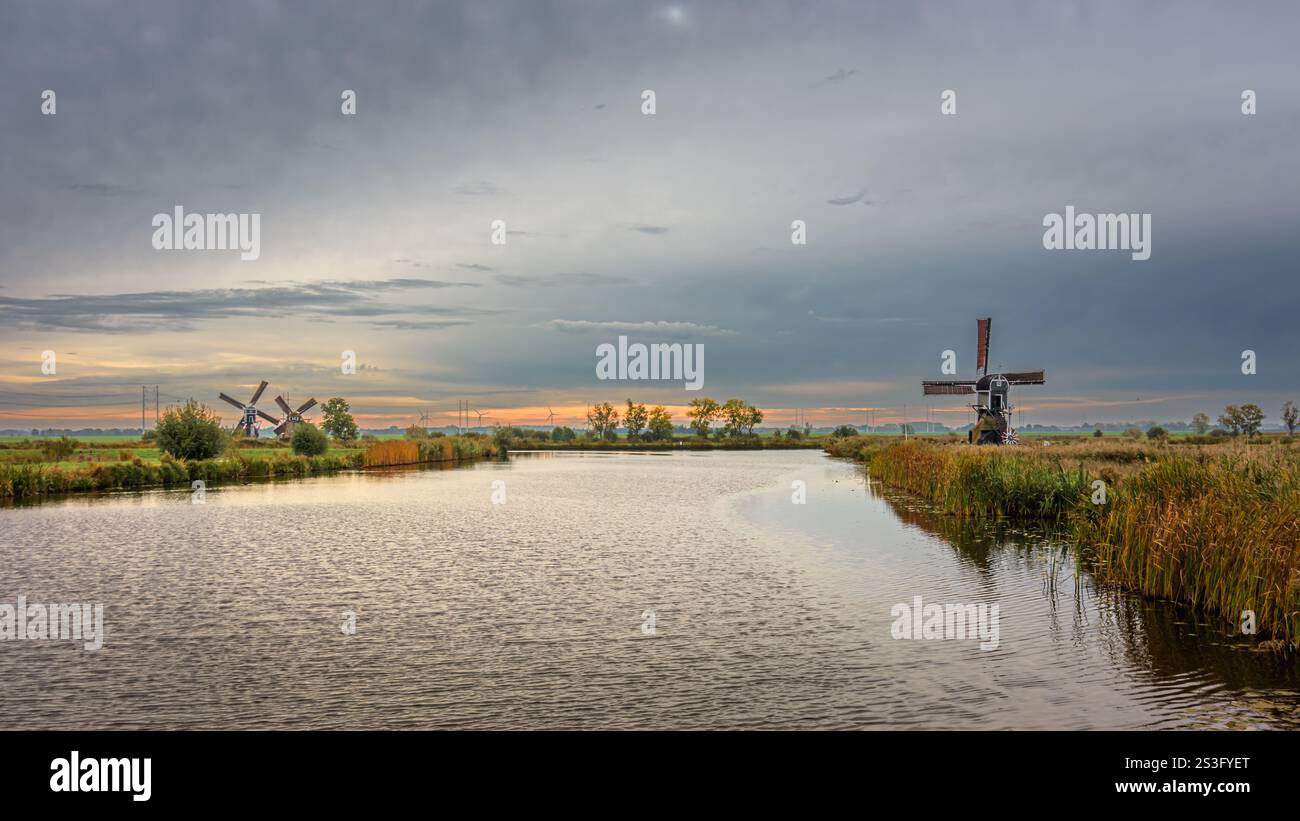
[
  {"x": 137, "y": 465},
  {"x": 681, "y": 443},
  {"x": 1212, "y": 526}
]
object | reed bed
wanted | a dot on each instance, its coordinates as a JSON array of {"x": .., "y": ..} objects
[
  {"x": 395, "y": 452},
  {"x": 1223, "y": 535},
  {"x": 418, "y": 451},
  {"x": 1216, "y": 528},
  {"x": 982, "y": 482},
  {"x": 28, "y": 481}
]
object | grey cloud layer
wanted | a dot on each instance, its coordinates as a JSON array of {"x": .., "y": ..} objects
[
  {"x": 767, "y": 112},
  {"x": 148, "y": 311}
]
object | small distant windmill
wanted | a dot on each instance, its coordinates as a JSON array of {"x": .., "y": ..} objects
[
  {"x": 284, "y": 428},
  {"x": 550, "y": 415},
  {"x": 481, "y": 414},
  {"x": 250, "y": 411},
  {"x": 992, "y": 394}
]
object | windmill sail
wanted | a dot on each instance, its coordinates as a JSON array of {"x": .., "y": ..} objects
[
  {"x": 982, "y": 363},
  {"x": 948, "y": 387},
  {"x": 1026, "y": 378}
]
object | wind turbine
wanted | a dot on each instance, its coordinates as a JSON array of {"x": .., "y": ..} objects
[
  {"x": 550, "y": 415},
  {"x": 481, "y": 414}
]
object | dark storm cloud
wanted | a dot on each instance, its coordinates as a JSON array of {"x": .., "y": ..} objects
[
  {"x": 150, "y": 311},
  {"x": 564, "y": 280},
  {"x": 847, "y": 199},
  {"x": 477, "y": 111},
  {"x": 477, "y": 189},
  {"x": 102, "y": 189},
  {"x": 418, "y": 324},
  {"x": 835, "y": 79}
]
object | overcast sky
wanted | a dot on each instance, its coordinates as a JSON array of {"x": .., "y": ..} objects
[{"x": 375, "y": 228}]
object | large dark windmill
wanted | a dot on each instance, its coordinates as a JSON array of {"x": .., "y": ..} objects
[
  {"x": 284, "y": 429},
  {"x": 250, "y": 411},
  {"x": 992, "y": 404}
]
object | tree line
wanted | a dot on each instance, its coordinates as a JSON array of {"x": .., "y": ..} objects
[{"x": 738, "y": 418}]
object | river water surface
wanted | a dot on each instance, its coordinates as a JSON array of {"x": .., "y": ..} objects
[{"x": 599, "y": 591}]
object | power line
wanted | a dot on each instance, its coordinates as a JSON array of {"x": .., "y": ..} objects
[{"x": 75, "y": 404}]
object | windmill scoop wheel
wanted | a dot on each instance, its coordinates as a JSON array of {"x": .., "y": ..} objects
[{"x": 992, "y": 392}]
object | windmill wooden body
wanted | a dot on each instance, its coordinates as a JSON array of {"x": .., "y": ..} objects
[{"x": 992, "y": 393}]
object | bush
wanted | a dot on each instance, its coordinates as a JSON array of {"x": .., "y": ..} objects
[
  {"x": 1157, "y": 433},
  {"x": 845, "y": 430},
  {"x": 308, "y": 440},
  {"x": 57, "y": 450},
  {"x": 192, "y": 431},
  {"x": 504, "y": 436}
]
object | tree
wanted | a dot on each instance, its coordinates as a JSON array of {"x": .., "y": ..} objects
[
  {"x": 753, "y": 417},
  {"x": 417, "y": 432},
  {"x": 1252, "y": 417},
  {"x": 192, "y": 431},
  {"x": 505, "y": 436},
  {"x": 307, "y": 440},
  {"x": 563, "y": 434},
  {"x": 1200, "y": 424},
  {"x": 660, "y": 424},
  {"x": 794, "y": 434},
  {"x": 845, "y": 430},
  {"x": 702, "y": 412},
  {"x": 736, "y": 413},
  {"x": 1230, "y": 419},
  {"x": 634, "y": 420},
  {"x": 1097, "y": 433},
  {"x": 604, "y": 421},
  {"x": 1290, "y": 417},
  {"x": 1156, "y": 432},
  {"x": 338, "y": 420}
]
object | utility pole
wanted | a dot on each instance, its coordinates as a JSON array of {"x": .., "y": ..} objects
[
  {"x": 142, "y": 394},
  {"x": 904, "y": 420},
  {"x": 155, "y": 407}
]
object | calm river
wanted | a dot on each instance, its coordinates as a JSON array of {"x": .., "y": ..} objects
[{"x": 598, "y": 591}]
